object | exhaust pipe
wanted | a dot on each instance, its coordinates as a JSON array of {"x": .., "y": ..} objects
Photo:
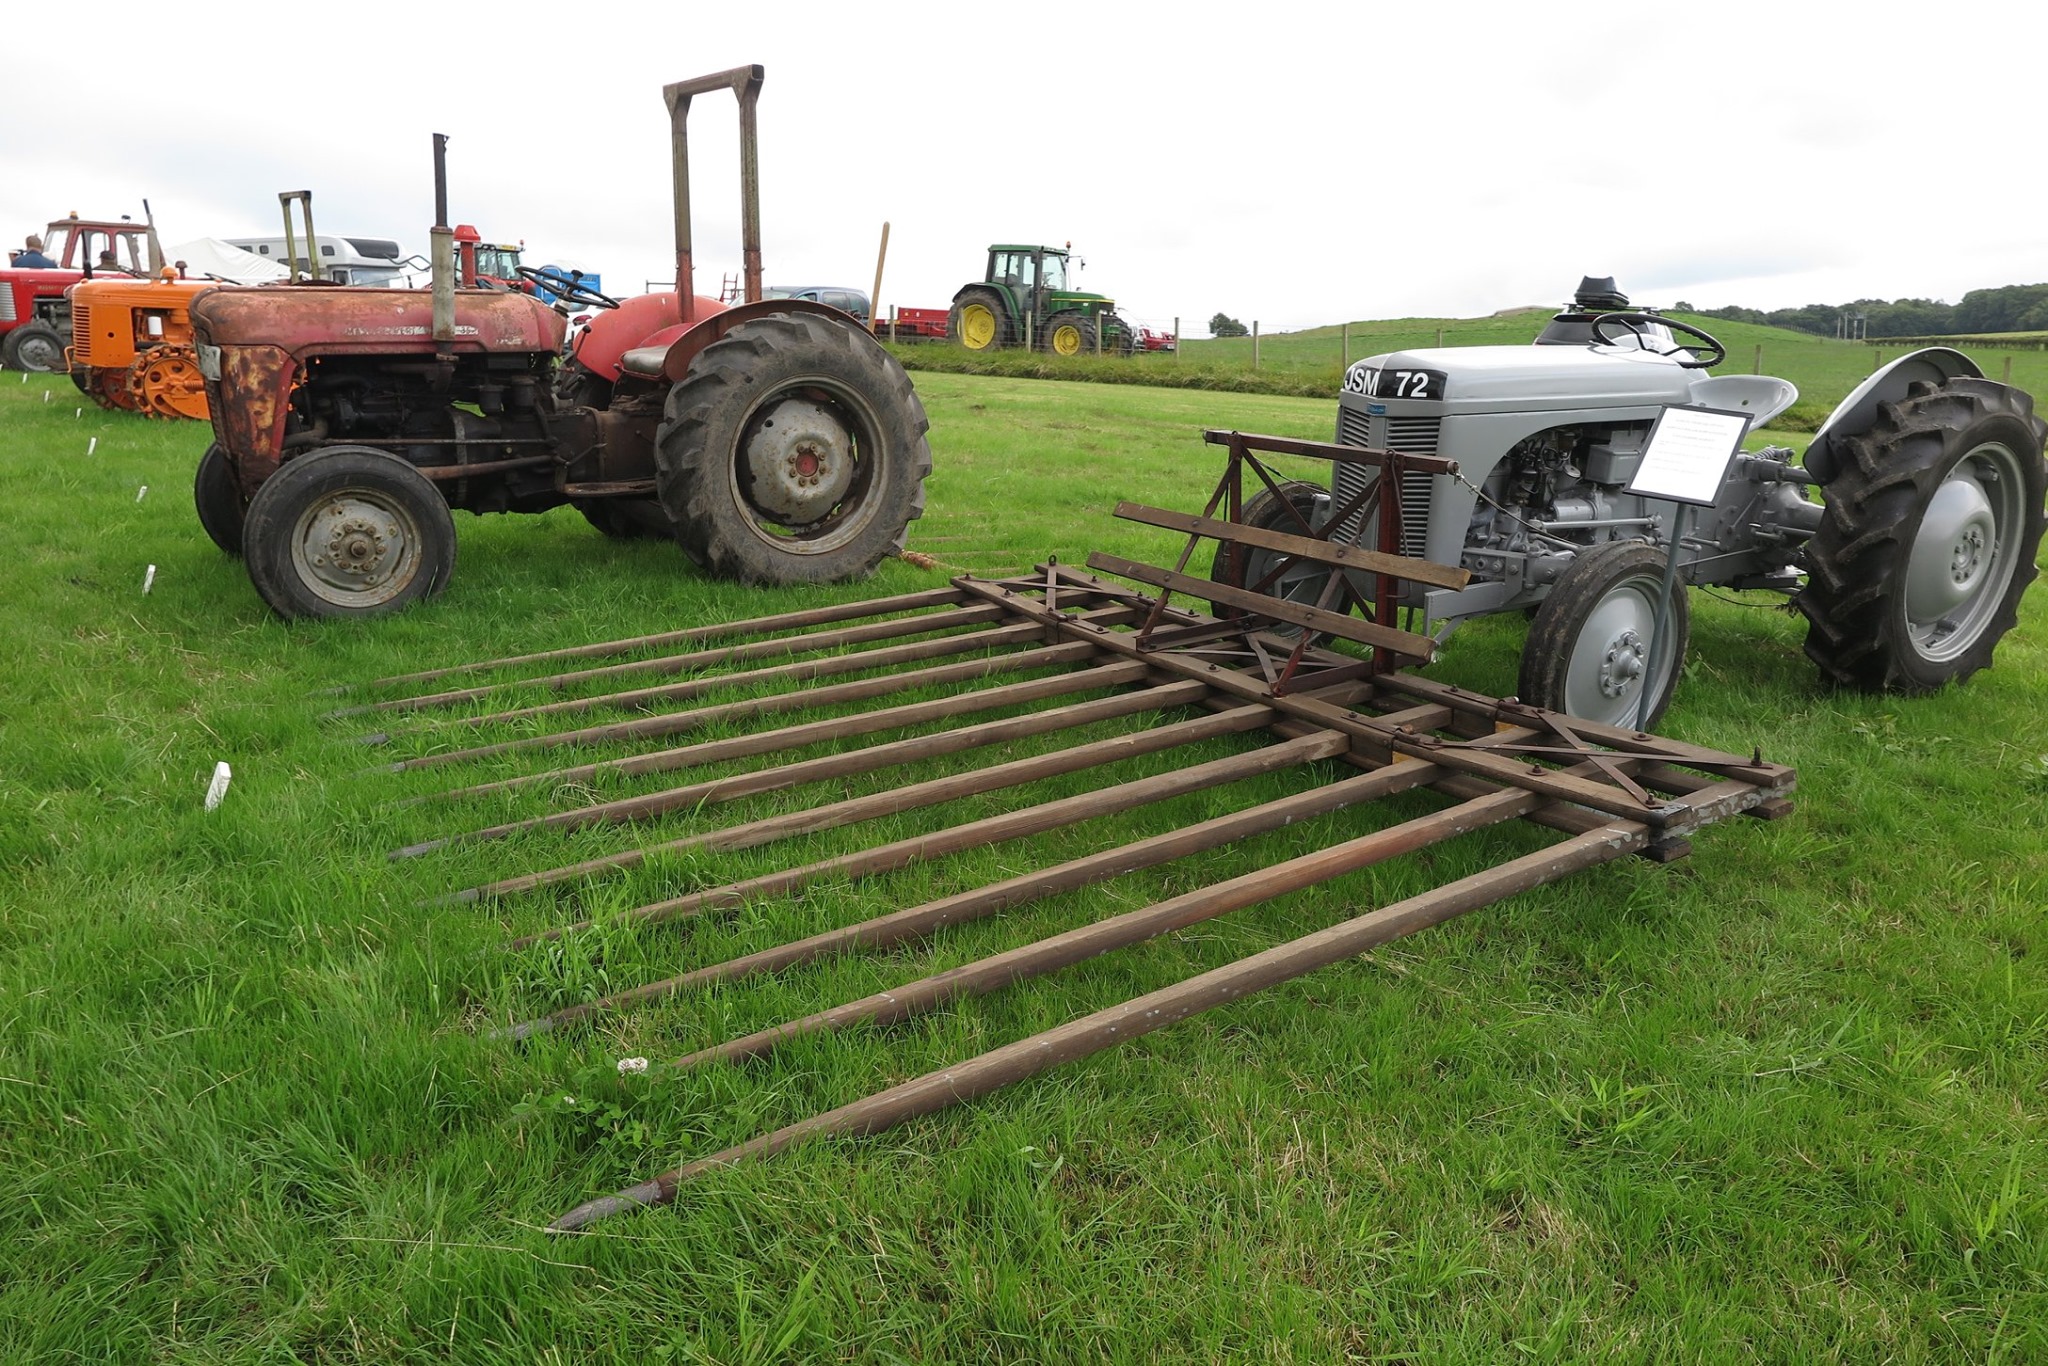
[{"x": 441, "y": 252}]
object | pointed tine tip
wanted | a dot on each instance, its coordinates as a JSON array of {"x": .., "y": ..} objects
[
  {"x": 519, "y": 1033},
  {"x": 590, "y": 1211},
  {"x": 415, "y": 850}
]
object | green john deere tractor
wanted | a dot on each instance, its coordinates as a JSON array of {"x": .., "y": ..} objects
[{"x": 1024, "y": 299}]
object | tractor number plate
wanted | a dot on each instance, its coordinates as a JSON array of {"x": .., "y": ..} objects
[{"x": 1393, "y": 382}]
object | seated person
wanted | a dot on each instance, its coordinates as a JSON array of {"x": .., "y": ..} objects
[{"x": 32, "y": 258}]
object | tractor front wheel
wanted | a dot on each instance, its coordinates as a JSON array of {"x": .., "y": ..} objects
[
  {"x": 1293, "y": 510},
  {"x": 219, "y": 501},
  {"x": 793, "y": 452},
  {"x": 35, "y": 347},
  {"x": 347, "y": 531},
  {"x": 1588, "y": 651},
  {"x": 1933, "y": 520},
  {"x": 979, "y": 322},
  {"x": 1069, "y": 334}
]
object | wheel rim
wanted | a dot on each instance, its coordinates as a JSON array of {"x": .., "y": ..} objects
[
  {"x": 1963, "y": 554},
  {"x": 40, "y": 353},
  {"x": 807, "y": 466},
  {"x": 356, "y": 548},
  {"x": 1610, "y": 659},
  {"x": 977, "y": 326},
  {"x": 1066, "y": 339}
]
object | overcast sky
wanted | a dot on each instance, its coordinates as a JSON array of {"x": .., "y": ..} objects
[{"x": 1298, "y": 165}]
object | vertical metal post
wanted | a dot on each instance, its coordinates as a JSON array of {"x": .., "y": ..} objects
[
  {"x": 1347, "y": 346},
  {"x": 1255, "y": 343},
  {"x": 441, "y": 249},
  {"x": 1757, "y": 367},
  {"x": 749, "y": 92},
  {"x": 1176, "y": 336},
  {"x": 875, "y": 299},
  {"x": 1660, "y": 624},
  {"x": 745, "y": 83}
]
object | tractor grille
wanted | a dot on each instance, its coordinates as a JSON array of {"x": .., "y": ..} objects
[
  {"x": 6, "y": 303},
  {"x": 1410, "y": 436},
  {"x": 81, "y": 330}
]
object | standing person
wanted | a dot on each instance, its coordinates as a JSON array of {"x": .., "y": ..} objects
[{"x": 32, "y": 258}]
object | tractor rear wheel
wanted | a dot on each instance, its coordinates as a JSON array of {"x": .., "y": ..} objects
[
  {"x": 1933, "y": 520},
  {"x": 1126, "y": 339},
  {"x": 1069, "y": 334},
  {"x": 793, "y": 452},
  {"x": 979, "y": 322},
  {"x": 1588, "y": 651},
  {"x": 578, "y": 386},
  {"x": 219, "y": 501},
  {"x": 628, "y": 519},
  {"x": 35, "y": 347},
  {"x": 347, "y": 531},
  {"x": 1293, "y": 511}
]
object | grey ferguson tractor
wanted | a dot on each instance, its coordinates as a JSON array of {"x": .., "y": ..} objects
[{"x": 1908, "y": 569}]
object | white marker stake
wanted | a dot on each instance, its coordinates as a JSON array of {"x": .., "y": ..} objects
[
  {"x": 92, "y": 445},
  {"x": 217, "y": 790},
  {"x": 149, "y": 578},
  {"x": 139, "y": 492},
  {"x": 75, "y": 412},
  {"x": 46, "y": 395}
]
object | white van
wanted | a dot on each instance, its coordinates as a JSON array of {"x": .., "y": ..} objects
[{"x": 375, "y": 261}]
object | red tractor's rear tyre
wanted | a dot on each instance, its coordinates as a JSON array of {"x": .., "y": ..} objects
[
  {"x": 793, "y": 452},
  {"x": 221, "y": 513},
  {"x": 1069, "y": 334},
  {"x": 1933, "y": 520},
  {"x": 980, "y": 322},
  {"x": 347, "y": 531}
]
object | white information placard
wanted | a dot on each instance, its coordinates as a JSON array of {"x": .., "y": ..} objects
[{"x": 1688, "y": 454}]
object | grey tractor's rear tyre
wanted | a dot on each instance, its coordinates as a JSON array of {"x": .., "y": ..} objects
[
  {"x": 979, "y": 321},
  {"x": 1588, "y": 650},
  {"x": 577, "y": 386},
  {"x": 1292, "y": 510},
  {"x": 1933, "y": 520},
  {"x": 219, "y": 502},
  {"x": 347, "y": 531},
  {"x": 628, "y": 519},
  {"x": 1068, "y": 334},
  {"x": 35, "y": 347},
  {"x": 793, "y": 452}
]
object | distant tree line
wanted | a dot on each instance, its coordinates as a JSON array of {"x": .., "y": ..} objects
[{"x": 2008, "y": 308}]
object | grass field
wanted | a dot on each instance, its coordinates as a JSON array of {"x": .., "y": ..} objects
[{"x": 1783, "y": 1100}]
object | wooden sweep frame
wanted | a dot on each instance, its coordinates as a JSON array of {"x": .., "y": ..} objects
[{"x": 1072, "y": 648}]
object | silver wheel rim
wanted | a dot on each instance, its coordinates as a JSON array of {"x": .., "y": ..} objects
[
  {"x": 356, "y": 548},
  {"x": 805, "y": 473},
  {"x": 1610, "y": 658},
  {"x": 1963, "y": 553},
  {"x": 41, "y": 354}
]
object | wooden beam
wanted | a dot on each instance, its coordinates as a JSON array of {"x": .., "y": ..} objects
[
  {"x": 1301, "y": 547},
  {"x": 1403, "y": 643}
]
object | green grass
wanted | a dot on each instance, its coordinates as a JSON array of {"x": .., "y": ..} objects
[{"x": 1782, "y": 1100}]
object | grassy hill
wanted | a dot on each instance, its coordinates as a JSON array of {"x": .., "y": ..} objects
[{"x": 1310, "y": 363}]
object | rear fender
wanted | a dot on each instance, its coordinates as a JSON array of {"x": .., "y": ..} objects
[
  {"x": 682, "y": 352},
  {"x": 1855, "y": 414},
  {"x": 644, "y": 320}
]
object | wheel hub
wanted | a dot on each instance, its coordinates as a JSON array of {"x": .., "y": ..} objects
[
  {"x": 352, "y": 546},
  {"x": 1956, "y": 545},
  {"x": 1627, "y": 659},
  {"x": 799, "y": 461}
]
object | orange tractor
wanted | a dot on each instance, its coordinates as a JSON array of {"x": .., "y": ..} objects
[{"x": 131, "y": 345}]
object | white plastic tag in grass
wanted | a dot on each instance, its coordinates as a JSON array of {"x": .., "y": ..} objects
[
  {"x": 92, "y": 445},
  {"x": 217, "y": 790},
  {"x": 149, "y": 579},
  {"x": 139, "y": 493}
]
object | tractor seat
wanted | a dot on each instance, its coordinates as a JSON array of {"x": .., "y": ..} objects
[{"x": 644, "y": 362}]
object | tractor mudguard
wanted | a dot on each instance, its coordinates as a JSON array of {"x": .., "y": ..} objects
[
  {"x": 639, "y": 321},
  {"x": 1855, "y": 414}
]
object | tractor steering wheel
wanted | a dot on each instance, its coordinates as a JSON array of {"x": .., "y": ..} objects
[
  {"x": 569, "y": 291},
  {"x": 1637, "y": 323}
]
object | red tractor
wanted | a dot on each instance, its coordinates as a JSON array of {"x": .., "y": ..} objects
[
  {"x": 776, "y": 441},
  {"x": 35, "y": 319}
]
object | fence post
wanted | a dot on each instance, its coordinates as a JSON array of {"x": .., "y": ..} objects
[
  {"x": 1255, "y": 343},
  {"x": 1878, "y": 364},
  {"x": 1176, "y": 336},
  {"x": 1347, "y": 346},
  {"x": 1029, "y": 319},
  {"x": 1757, "y": 368},
  {"x": 1439, "y": 336},
  {"x": 2008, "y": 369}
]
